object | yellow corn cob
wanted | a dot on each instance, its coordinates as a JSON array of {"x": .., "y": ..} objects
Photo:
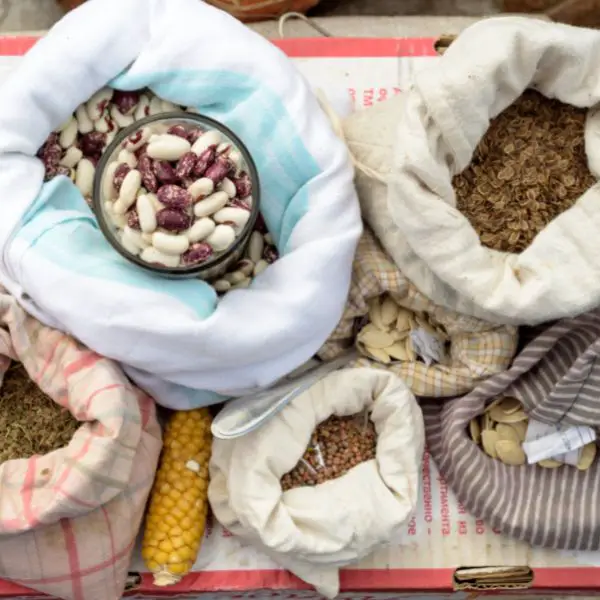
[{"x": 179, "y": 505}]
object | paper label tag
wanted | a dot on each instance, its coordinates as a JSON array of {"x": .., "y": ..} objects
[
  {"x": 427, "y": 346},
  {"x": 562, "y": 443}
]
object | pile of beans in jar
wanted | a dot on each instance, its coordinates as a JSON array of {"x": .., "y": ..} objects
[
  {"x": 183, "y": 188},
  {"x": 336, "y": 445}
]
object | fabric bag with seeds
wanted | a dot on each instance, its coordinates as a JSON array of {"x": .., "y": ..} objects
[
  {"x": 314, "y": 530},
  {"x": 69, "y": 518},
  {"x": 469, "y": 211},
  {"x": 437, "y": 352},
  {"x": 477, "y": 440}
]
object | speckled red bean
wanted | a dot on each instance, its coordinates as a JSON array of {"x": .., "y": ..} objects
[
  {"x": 194, "y": 134},
  {"x": 149, "y": 179},
  {"x": 52, "y": 155},
  {"x": 63, "y": 170},
  {"x": 270, "y": 254},
  {"x": 165, "y": 172},
  {"x": 219, "y": 169},
  {"x": 120, "y": 174},
  {"x": 243, "y": 185},
  {"x": 133, "y": 219},
  {"x": 178, "y": 130},
  {"x": 260, "y": 224},
  {"x": 205, "y": 160},
  {"x": 141, "y": 150},
  {"x": 197, "y": 253},
  {"x": 92, "y": 143},
  {"x": 173, "y": 196},
  {"x": 186, "y": 165},
  {"x": 126, "y": 101},
  {"x": 173, "y": 220}
]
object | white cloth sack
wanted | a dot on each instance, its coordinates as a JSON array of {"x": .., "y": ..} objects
[
  {"x": 173, "y": 338},
  {"x": 413, "y": 145},
  {"x": 314, "y": 531}
]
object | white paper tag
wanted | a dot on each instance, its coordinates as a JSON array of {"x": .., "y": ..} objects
[
  {"x": 427, "y": 346},
  {"x": 560, "y": 442}
]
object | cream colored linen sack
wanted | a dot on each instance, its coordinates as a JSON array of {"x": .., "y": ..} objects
[
  {"x": 473, "y": 350},
  {"x": 314, "y": 531},
  {"x": 412, "y": 145}
]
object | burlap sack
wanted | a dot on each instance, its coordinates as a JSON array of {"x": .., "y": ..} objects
[
  {"x": 557, "y": 378},
  {"x": 69, "y": 519},
  {"x": 476, "y": 349}
]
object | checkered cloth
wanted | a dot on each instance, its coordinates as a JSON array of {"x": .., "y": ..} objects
[
  {"x": 69, "y": 519},
  {"x": 476, "y": 351}
]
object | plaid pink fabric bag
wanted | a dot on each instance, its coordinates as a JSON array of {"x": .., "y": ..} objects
[
  {"x": 557, "y": 379},
  {"x": 69, "y": 519}
]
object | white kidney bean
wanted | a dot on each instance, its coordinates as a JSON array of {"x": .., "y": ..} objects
[
  {"x": 127, "y": 157},
  {"x": 168, "y": 106},
  {"x": 200, "y": 230},
  {"x": 146, "y": 213},
  {"x": 269, "y": 239},
  {"x": 102, "y": 125},
  {"x": 234, "y": 277},
  {"x": 143, "y": 107},
  {"x": 128, "y": 244},
  {"x": 256, "y": 245},
  {"x": 68, "y": 135},
  {"x": 110, "y": 136},
  {"x": 167, "y": 147},
  {"x": 158, "y": 205},
  {"x": 210, "y": 138},
  {"x": 224, "y": 148},
  {"x": 238, "y": 216},
  {"x": 119, "y": 118},
  {"x": 211, "y": 204},
  {"x": 153, "y": 255},
  {"x": 138, "y": 139},
  {"x": 201, "y": 188},
  {"x": 235, "y": 156},
  {"x": 129, "y": 188},
  {"x": 119, "y": 221},
  {"x": 135, "y": 237},
  {"x": 84, "y": 123},
  {"x": 242, "y": 284},
  {"x": 147, "y": 237},
  {"x": 170, "y": 244},
  {"x": 260, "y": 266},
  {"x": 71, "y": 157},
  {"x": 228, "y": 187},
  {"x": 84, "y": 176},
  {"x": 221, "y": 238},
  {"x": 155, "y": 106},
  {"x": 97, "y": 104},
  {"x": 221, "y": 285},
  {"x": 108, "y": 186}
]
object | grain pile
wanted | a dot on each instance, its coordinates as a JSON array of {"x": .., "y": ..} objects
[
  {"x": 337, "y": 445},
  {"x": 30, "y": 422},
  {"x": 529, "y": 167}
]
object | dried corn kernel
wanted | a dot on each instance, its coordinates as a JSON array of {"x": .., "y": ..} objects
[{"x": 179, "y": 505}]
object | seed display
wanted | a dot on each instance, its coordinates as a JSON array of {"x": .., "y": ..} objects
[
  {"x": 336, "y": 445},
  {"x": 176, "y": 196},
  {"x": 394, "y": 333},
  {"x": 502, "y": 429},
  {"x": 31, "y": 423},
  {"x": 529, "y": 167}
]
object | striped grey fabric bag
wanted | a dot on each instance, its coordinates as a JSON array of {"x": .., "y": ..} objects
[{"x": 557, "y": 378}]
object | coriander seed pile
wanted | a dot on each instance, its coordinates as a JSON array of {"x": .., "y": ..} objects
[
  {"x": 30, "y": 422},
  {"x": 529, "y": 167},
  {"x": 337, "y": 445}
]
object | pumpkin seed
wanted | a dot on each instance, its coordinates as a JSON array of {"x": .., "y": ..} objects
[
  {"x": 510, "y": 453},
  {"x": 375, "y": 338},
  {"x": 389, "y": 312},
  {"x": 475, "y": 430},
  {"x": 586, "y": 458},
  {"x": 489, "y": 438},
  {"x": 549, "y": 463}
]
